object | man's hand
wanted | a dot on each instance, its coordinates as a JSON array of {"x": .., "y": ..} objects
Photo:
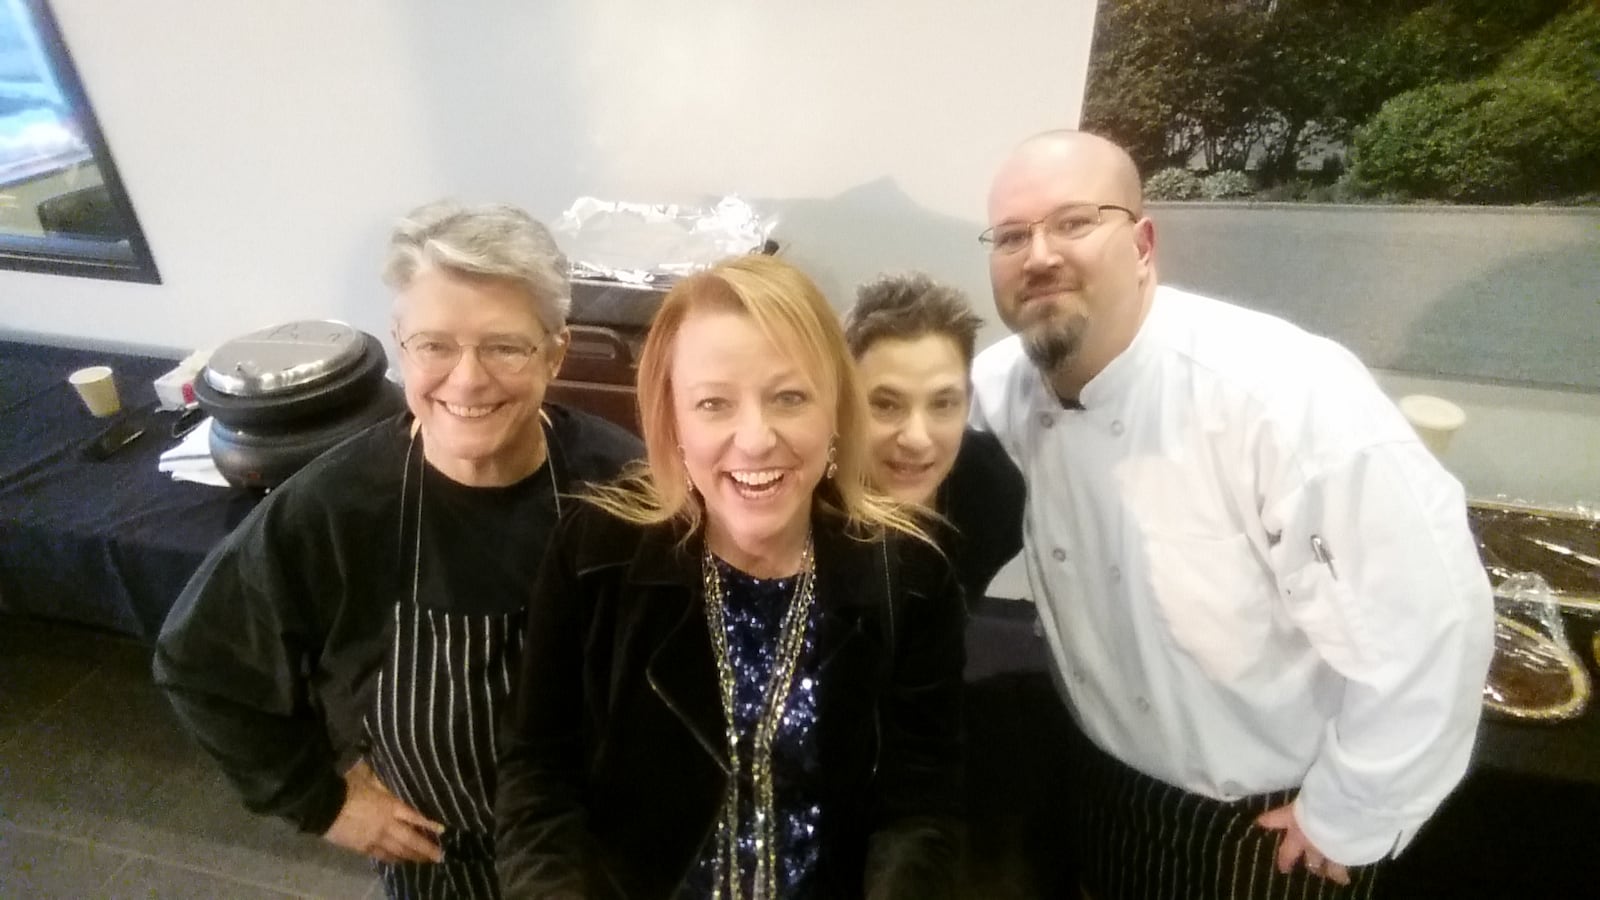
[
  {"x": 1294, "y": 844},
  {"x": 375, "y": 823}
]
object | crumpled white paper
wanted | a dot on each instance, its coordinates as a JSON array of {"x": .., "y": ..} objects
[{"x": 191, "y": 459}]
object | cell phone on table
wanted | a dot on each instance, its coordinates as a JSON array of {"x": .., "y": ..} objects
[
  {"x": 188, "y": 421},
  {"x": 117, "y": 435}
]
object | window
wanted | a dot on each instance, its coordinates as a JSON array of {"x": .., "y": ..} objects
[{"x": 62, "y": 207}]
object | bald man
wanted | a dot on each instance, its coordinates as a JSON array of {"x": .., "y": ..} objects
[{"x": 1265, "y": 608}]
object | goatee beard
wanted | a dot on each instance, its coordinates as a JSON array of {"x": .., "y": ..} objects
[{"x": 1051, "y": 346}]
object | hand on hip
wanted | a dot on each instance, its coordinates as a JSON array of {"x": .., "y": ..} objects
[{"x": 376, "y": 823}]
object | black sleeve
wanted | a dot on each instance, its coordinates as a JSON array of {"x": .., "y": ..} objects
[
  {"x": 915, "y": 846},
  {"x": 597, "y": 450},
  {"x": 231, "y": 658},
  {"x": 986, "y": 499},
  {"x": 1009, "y": 493},
  {"x": 542, "y": 844}
]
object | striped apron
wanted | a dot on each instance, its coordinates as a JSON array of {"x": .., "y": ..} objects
[
  {"x": 432, "y": 737},
  {"x": 431, "y": 728},
  {"x": 1139, "y": 838}
]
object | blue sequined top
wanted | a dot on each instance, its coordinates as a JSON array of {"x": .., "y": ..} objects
[{"x": 754, "y": 618}]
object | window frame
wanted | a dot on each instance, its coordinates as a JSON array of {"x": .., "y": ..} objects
[{"x": 58, "y": 255}]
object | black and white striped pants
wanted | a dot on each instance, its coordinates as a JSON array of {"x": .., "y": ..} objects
[{"x": 1139, "y": 838}]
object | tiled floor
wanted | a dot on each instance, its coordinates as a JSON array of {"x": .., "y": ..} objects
[{"x": 101, "y": 794}]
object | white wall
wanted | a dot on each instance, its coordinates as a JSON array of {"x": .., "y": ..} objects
[{"x": 267, "y": 147}]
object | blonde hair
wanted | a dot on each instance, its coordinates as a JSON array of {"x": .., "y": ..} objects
[{"x": 792, "y": 313}]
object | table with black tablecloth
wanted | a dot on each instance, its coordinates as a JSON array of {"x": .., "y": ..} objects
[
  {"x": 1526, "y": 821},
  {"x": 105, "y": 543}
]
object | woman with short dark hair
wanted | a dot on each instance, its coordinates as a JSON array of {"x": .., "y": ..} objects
[{"x": 913, "y": 339}]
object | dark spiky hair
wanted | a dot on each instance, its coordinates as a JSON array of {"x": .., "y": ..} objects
[{"x": 908, "y": 307}]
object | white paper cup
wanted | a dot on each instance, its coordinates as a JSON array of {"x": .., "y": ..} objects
[
  {"x": 1434, "y": 418},
  {"x": 98, "y": 388}
]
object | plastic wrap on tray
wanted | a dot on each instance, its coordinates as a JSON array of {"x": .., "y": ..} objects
[
  {"x": 652, "y": 244},
  {"x": 1534, "y": 674},
  {"x": 1560, "y": 543}
]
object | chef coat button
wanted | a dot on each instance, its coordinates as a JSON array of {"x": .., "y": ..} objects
[
  {"x": 1116, "y": 575},
  {"x": 1046, "y": 419},
  {"x": 1116, "y": 427},
  {"x": 1141, "y": 704},
  {"x": 1059, "y": 554}
]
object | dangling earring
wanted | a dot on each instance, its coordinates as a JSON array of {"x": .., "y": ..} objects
[
  {"x": 833, "y": 458},
  {"x": 688, "y": 478}
]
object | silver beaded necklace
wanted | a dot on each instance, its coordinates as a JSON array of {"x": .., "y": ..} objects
[{"x": 727, "y": 885}]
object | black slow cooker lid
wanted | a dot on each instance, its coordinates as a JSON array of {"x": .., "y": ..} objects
[{"x": 284, "y": 358}]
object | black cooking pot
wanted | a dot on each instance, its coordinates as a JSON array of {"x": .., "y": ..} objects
[
  {"x": 263, "y": 458},
  {"x": 338, "y": 389},
  {"x": 282, "y": 395}
]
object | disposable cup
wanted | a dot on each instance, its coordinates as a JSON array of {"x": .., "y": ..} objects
[
  {"x": 1435, "y": 419},
  {"x": 98, "y": 388}
]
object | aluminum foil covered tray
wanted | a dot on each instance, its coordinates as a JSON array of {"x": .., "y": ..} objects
[{"x": 653, "y": 244}]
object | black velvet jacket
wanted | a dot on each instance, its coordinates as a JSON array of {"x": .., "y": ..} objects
[
  {"x": 982, "y": 500},
  {"x": 613, "y": 759}
]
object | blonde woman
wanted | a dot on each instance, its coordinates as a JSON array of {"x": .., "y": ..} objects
[{"x": 743, "y": 668}]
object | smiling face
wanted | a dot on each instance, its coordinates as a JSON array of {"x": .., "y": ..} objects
[
  {"x": 1076, "y": 303},
  {"x": 917, "y": 393},
  {"x": 754, "y": 429},
  {"x": 479, "y": 426}
]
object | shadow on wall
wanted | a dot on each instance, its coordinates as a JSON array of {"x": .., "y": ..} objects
[
  {"x": 502, "y": 121},
  {"x": 1533, "y": 319},
  {"x": 508, "y": 108},
  {"x": 875, "y": 227},
  {"x": 497, "y": 86}
]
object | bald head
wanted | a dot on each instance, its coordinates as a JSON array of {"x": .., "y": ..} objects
[
  {"x": 1078, "y": 290},
  {"x": 1063, "y": 162}
]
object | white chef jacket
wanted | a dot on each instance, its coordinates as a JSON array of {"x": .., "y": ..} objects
[{"x": 1251, "y": 573}]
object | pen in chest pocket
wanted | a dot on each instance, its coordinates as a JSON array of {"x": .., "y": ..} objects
[{"x": 1320, "y": 552}]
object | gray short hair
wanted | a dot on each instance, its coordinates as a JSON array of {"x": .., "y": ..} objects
[{"x": 494, "y": 240}]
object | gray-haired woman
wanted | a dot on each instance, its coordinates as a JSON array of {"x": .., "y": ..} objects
[{"x": 344, "y": 654}]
